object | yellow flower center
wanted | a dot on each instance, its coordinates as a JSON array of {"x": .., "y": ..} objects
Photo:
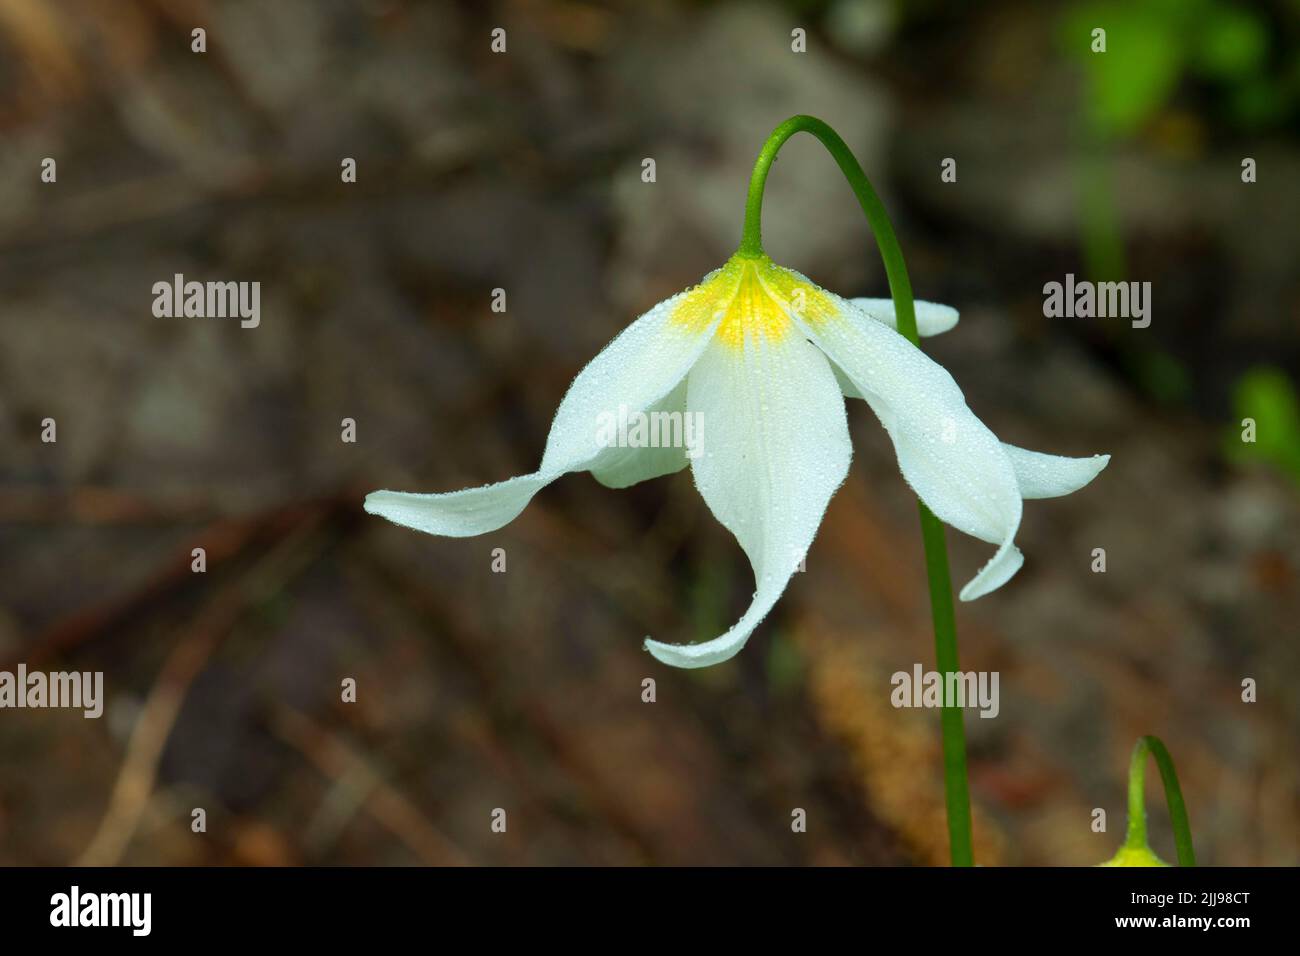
[{"x": 755, "y": 297}]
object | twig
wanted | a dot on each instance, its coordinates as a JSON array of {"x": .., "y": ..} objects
[
  {"x": 222, "y": 541},
  {"x": 138, "y": 774},
  {"x": 390, "y": 808}
]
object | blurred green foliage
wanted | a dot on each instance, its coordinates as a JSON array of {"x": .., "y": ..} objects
[
  {"x": 1160, "y": 375},
  {"x": 785, "y": 665},
  {"x": 1267, "y": 396},
  {"x": 1153, "y": 45}
]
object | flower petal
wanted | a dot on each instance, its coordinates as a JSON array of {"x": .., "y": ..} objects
[
  {"x": 622, "y": 467},
  {"x": 949, "y": 457},
  {"x": 931, "y": 317},
  {"x": 776, "y": 448},
  {"x": 1050, "y": 476},
  {"x": 641, "y": 366},
  {"x": 1001, "y": 568},
  {"x": 458, "y": 514}
]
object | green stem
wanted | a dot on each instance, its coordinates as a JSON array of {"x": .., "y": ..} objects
[
  {"x": 1137, "y": 811},
  {"x": 956, "y": 786},
  {"x": 955, "y": 782}
]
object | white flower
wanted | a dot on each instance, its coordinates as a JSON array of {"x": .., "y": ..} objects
[{"x": 765, "y": 358}]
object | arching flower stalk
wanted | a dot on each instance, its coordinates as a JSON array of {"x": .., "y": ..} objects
[
  {"x": 1136, "y": 851},
  {"x": 765, "y": 358}
]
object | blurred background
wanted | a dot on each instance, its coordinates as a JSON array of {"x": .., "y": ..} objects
[{"x": 522, "y": 171}]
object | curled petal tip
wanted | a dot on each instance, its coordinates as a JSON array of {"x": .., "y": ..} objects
[
  {"x": 1050, "y": 476},
  {"x": 1000, "y": 569},
  {"x": 459, "y": 514},
  {"x": 1099, "y": 463},
  {"x": 375, "y": 501},
  {"x": 1091, "y": 467},
  {"x": 692, "y": 655}
]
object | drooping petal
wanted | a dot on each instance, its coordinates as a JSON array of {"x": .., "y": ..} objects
[
  {"x": 776, "y": 446},
  {"x": 1050, "y": 476},
  {"x": 458, "y": 514},
  {"x": 953, "y": 462},
  {"x": 641, "y": 366},
  {"x": 672, "y": 430},
  {"x": 931, "y": 317}
]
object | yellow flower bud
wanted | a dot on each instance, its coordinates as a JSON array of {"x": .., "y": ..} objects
[{"x": 1134, "y": 856}]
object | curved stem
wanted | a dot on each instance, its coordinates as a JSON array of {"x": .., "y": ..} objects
[
  {"x": 956, "y": 785},
  {"x": 1137, "y": 812}
]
